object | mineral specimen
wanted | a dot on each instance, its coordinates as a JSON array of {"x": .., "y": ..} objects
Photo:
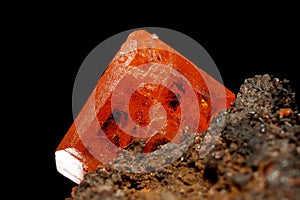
[{"x": 149, "y": 93}]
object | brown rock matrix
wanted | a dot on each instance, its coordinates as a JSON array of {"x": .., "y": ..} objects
[{"x": 257, "y": 155}]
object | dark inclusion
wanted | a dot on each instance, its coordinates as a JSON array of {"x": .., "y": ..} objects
[
  {"x": 173, "y": 101},
  {"x": 118, "y": 114},
  {"x": 116, "y": 139},
  {"x": 180, "y": 87},
  {"x": 109, "y": 122},
  {"x": 174, "y": 104},
  {"x": 115, "y": 118}
]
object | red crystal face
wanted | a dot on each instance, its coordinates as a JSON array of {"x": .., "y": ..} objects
[{"x": 148, "y": 92}]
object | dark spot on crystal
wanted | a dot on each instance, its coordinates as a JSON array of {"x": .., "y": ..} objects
[
  {"x": 180, "y": 87},
  {"x": 173, "y": 100},
  {"x": 118, "y": 115},
  {"x": 174, "y": 104},
  {"x": 108, "y": 123},
  {"x": 116, "y": 140}
]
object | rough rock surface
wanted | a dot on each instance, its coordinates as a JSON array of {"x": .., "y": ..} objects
[{"x": 256, "y": 156}]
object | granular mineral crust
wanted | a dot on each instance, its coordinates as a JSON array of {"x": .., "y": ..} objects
[{"x": 256, "y": 156}]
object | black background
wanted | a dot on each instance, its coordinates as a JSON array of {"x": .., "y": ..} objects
[{"x": 243, "y": 41}]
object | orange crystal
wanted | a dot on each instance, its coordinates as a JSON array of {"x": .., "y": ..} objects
[{"x": 147, "y": 92}]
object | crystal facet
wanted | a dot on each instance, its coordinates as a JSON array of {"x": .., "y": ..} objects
[{"x": 148, "y": 92}]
